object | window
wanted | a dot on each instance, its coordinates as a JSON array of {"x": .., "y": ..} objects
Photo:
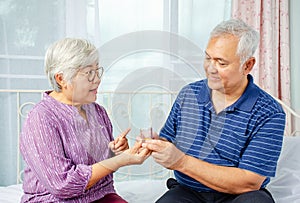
[{"x": 149, "y": 49}]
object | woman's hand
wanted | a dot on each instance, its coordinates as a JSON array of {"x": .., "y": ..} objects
[
  {"x": 120, "y": 143},
  {"x": 135, "y": 155},
  {"x": 132, "y": 156}
]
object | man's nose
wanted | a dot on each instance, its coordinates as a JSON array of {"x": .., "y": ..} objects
[{"x": 211, "y": 67}]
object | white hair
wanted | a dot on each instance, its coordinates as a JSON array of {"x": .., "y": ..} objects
[
  {"x": 67, "y": 56},
  {"x": 248, "y": 37}
]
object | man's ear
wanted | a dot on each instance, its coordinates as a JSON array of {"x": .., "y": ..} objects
[
  {"x": 249, "y": 65},
  {"x": 60, "y": 80}
]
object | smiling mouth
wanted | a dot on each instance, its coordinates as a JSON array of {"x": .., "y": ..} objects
[
  {"x": 94, "y": 91},
  {"x": 214, "y": 78}
]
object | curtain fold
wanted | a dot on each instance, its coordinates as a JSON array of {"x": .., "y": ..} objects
[
  {"x": 272, "y": 69},
  {"x": 76, "y": 18}
]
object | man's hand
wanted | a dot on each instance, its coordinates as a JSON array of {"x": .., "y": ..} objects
[{"x": 165, "y": 153}]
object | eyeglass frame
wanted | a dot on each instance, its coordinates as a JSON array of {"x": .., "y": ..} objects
[{"x": 91, "y": 74}]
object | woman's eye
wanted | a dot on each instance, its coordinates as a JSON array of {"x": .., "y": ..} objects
[{"x": 90, "y": 72}]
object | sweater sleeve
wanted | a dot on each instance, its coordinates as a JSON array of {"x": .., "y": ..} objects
[{"x": 43, "y": 151}]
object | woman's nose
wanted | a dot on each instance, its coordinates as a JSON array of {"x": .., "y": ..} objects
[{"x": 97, "y": 79}]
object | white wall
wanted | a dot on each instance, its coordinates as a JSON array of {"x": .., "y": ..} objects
[{"x": 295, "y": 53}]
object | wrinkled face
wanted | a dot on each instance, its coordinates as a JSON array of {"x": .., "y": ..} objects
[
  {"x": 83, "y": 88},
  {"x": 222, "y": 65}
]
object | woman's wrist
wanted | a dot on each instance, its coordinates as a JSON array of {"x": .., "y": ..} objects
[{"x": 115, "y": 162}]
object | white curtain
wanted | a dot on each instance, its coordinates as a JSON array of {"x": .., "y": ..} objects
[{"x": 138, "y": 39}]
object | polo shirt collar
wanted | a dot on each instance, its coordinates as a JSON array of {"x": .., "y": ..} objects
[
  {"x": 244, "y": 103},
  {"x": 248, "y": 98},
  {"x": 205, "y": 97}
]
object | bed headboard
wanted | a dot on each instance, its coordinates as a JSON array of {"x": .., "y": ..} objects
[
  {"x": 292, "y": 127},
  {"x": 23, "y": 100},
  {"x": 26, "y": 99}
]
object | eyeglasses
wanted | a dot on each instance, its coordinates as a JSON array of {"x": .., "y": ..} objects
[{"x": 92, "y": 73}]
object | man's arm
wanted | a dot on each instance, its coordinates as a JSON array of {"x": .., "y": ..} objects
[{"x": 220, "y": 178}]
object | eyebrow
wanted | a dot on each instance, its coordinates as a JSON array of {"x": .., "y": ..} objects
[
  {"x": 89, "y": 66},
  {"x": 217, "y": 59}
]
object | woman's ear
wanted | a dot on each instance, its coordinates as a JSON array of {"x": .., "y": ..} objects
[{"x": 60, "y": 80}]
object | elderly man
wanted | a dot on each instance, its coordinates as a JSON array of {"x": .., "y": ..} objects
[{"x": 224, "y": 134}]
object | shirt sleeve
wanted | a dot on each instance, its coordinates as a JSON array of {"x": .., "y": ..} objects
[
  {"x": 263, "y": 149},
  {"x": 170, "y": 127},
  {"x": 43, "y": 151}
]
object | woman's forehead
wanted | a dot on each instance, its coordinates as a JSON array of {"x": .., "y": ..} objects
[{"x": 89, "y": 66}]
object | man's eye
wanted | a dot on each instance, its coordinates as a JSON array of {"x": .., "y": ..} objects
[
  {"x": 222, "y": 63},
  {"x": 207, "y": 59}
]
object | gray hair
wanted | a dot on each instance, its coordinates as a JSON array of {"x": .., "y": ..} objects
[
  {"x": 67, "y": 56},
  {"x": 248, "y": 37}
]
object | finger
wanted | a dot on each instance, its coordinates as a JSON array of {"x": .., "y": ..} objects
[
  {"x": 111, "y": 145},
  {"x": 144, "y": 152},
  {"x": 120, "y": 142},
  {"x": 154, "y": 145},
  {"x": 122, "y": 147},
  {"x": 155, "y": 156},
  {"x": 137, "y": 145},
  {"x": 124, "y": 133}
]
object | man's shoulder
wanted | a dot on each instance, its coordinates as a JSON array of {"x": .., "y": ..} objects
[
  {"x": 267, "y": 102},
  {"x": 197, "y": 86},
  {"x": 196, "y": 91}
]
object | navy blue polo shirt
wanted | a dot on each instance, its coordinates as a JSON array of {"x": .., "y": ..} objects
[{"x": 248, "y": 134}]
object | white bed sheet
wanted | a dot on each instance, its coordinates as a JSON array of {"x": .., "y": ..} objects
[
  {"x": 11, "y": 194},
  {"x": 141, "y": 191},
  {"x": 285, "y": 187},
  {"x": 135, "y": 191}
]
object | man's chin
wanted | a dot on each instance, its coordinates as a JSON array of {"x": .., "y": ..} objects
[{"x": 215, "y": 86}]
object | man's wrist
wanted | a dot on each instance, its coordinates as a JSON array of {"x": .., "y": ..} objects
[{"x": 180, "y": 164}]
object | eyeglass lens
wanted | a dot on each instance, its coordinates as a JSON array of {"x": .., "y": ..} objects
[{"x": 92, "y": 74}]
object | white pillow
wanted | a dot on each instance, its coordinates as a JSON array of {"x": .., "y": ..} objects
[
  {"x": 285, "y": 186},
  {"x": 137, "y": 191}
]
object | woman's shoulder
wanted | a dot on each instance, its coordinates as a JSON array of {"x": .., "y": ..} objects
[{"x": 97, "y": 106}]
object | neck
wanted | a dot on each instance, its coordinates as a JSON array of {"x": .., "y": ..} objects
[
  {"x": 61, "y": 97},
  {"x": 82, "y": 112},
  {"x": 222, "y": 100}
]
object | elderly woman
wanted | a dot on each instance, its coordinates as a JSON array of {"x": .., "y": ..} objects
[{"x": 67, "y": 140}]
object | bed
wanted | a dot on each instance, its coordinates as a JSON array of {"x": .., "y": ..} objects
[
  {"x": 285, "y": 187},
  {"x": 147, "y": 187},
  {"x": 129, "y": 190}
]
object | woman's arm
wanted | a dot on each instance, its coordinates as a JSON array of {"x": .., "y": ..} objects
[{"x": 134, "y": 155}]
